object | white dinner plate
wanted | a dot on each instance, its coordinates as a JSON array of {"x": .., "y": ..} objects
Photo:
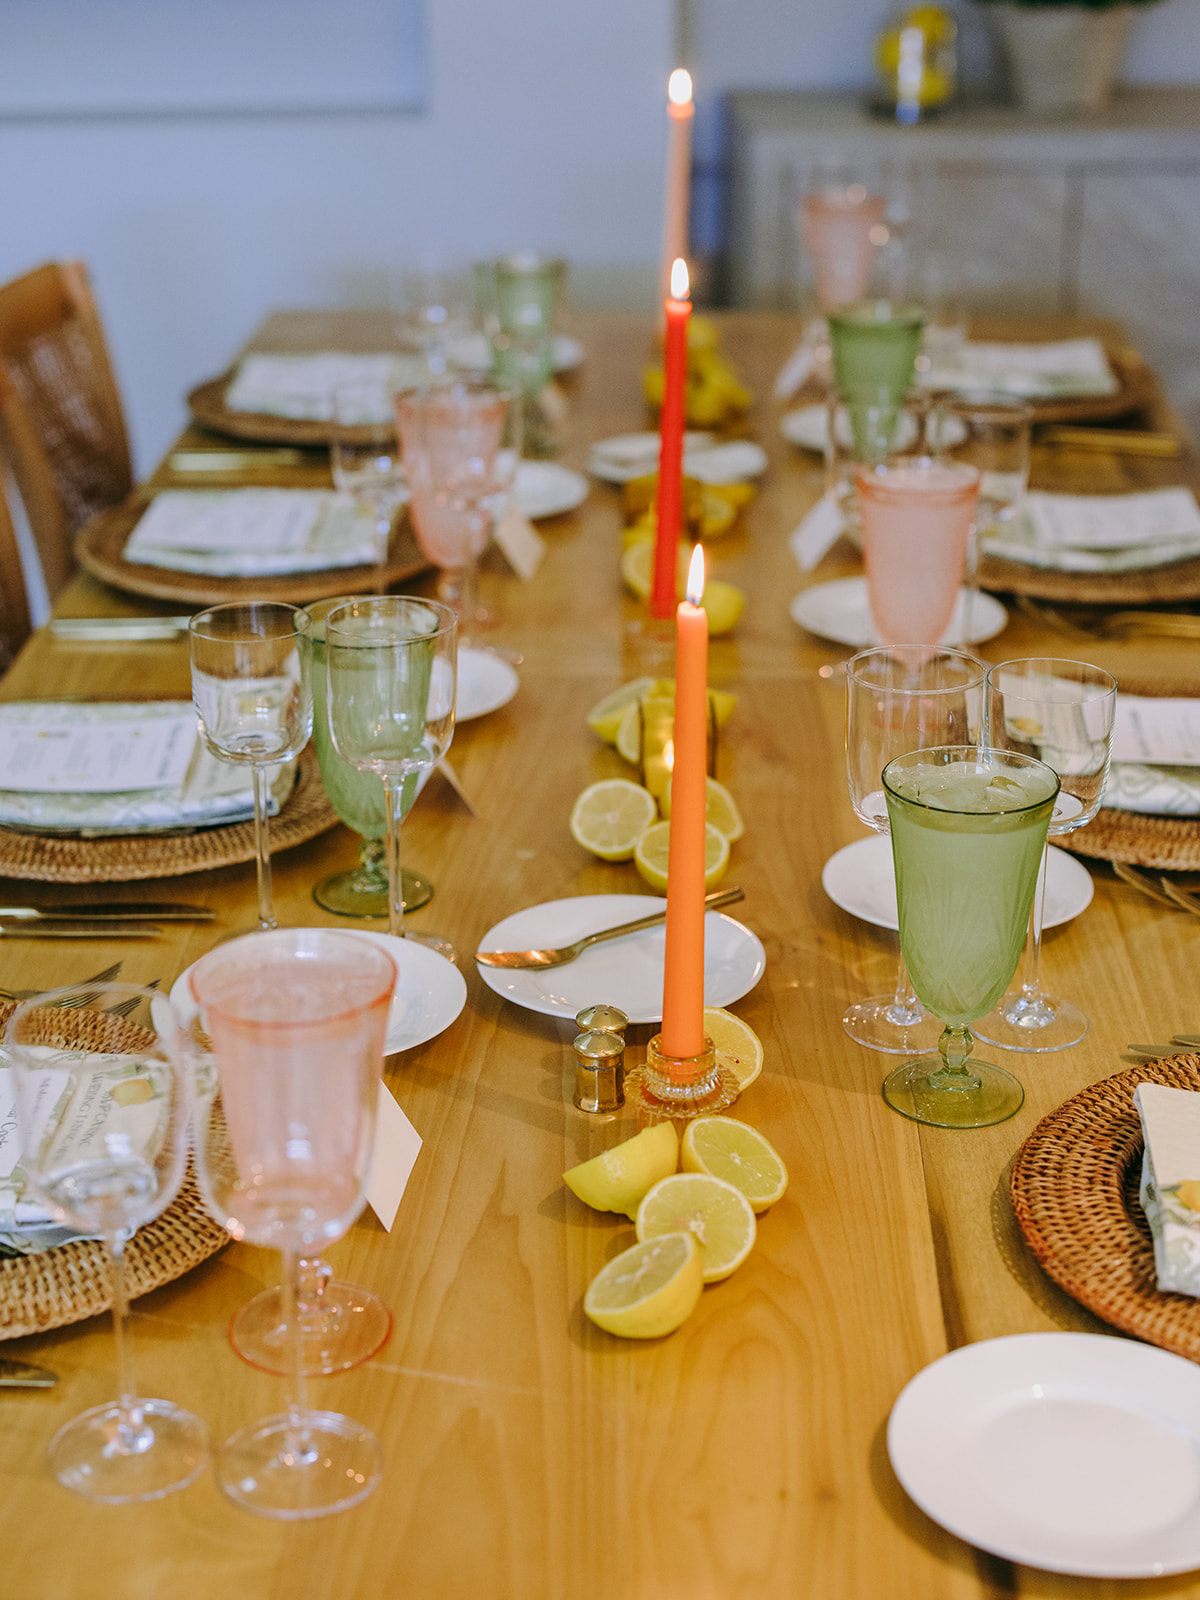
[
  {"x": 861, "y": 880},
  {"x": 840, "y": 611},
  {"x": 633, "y": 455},
  {"x": 1068, "y": 1451},
  {"x": 430, "y": 991},
  {"x": 473, "y": 350},
  {"x": 620, "y": 972},
  {"x": 808, "y": 427},
  {"x": 485, "y": 683},
  {"x": 545, "y": 489}
]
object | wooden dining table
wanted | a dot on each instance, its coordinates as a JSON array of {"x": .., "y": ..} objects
[{"x": 529, "y": 1455}]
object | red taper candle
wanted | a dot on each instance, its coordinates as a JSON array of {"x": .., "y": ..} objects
[{"x": 669, "y": 511}]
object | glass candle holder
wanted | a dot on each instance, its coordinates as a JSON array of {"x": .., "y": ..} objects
[{"x": 681, "y": 1087}]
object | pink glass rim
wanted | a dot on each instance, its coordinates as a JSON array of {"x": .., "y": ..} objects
[
  {"x": 346, "y": 947},
  {"x": 873, "y": 482}
]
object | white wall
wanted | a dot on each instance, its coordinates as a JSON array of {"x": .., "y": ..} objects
[{"x": 544, "y": 128}]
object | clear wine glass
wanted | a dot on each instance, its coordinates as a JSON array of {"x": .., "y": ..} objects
[
  {"x": 102, "y": 1114},
  {"x": 968, "y": 828},
  {"x": 252, "y": 689},
  {"x": 287, "y": 1083},
  {"x": 899, "y": 700},
  {"x": 364, "y": 459},
  {"x": 391, "y": 665},
  {"x": 1061, "y": 712},
  {"x": 462, "y": 447}
]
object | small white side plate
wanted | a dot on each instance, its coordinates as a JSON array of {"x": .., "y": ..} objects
[
  {"x": 473, "y": 350},
  {"x": 625, "y": 972},
  {"x": 808, "y": 427},
  {"x": 1067, "y": 1451},
  {"x": 634, "y": 455},
  {"x": 430, "y": 991},
  {"x": 545, "y": 489},
  {"x": 860, "y": 879},
  {"x": 485, "y": 683},
  {"x": 840, "y": 611}
]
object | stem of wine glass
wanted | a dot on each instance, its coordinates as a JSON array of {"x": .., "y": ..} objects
[
  {"x": 1031, "y": 1003},
  {"x": 905, "y": 1010},
  {"x": 133, "y": 1436},
  {"x": 393, "y": 789},
  {"x": 298, "y": 1446},
  {"x": 262, "y": 848},
  {"x": 954, "y": 1047}
]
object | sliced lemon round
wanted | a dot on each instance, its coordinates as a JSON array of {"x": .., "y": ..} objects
[
  {"x": 649, "y": 1289},
  {"x": 738, "y": 1046},
  {"x": 605, "y": 716},
  {"x": 616, "y": 1179},
  {"x": 717, "y": 1214},
  {"x": 637, "y": 567},
  {"x": 610, "y": 817},
  {"x": 720, "y": 809},
  {"x": 726, "y": 1148},
  {"x": 652, "y": 849}
]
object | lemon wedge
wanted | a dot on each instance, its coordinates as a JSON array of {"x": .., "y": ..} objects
[
  {"x": 649, "y": 1289},
  {"x": 610, "y": 817},
  {"x": 726, "y": 1148},
  {"x": 650, "y": 855},
  {"x": 616, "y": 1179},
  {"x": 720, "y": 809},
  {"x": 717, "y": 1214},
  {"x": 629, "y": 734},
  {"x": 605, "y": 716},
  {"x": 737, "y": 1045},
  {"x": 724, "y": 603}
]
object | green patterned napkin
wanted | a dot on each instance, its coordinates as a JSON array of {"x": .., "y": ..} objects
[{"x": 1170, "y": 1191}]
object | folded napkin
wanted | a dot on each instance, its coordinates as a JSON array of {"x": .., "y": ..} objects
[
  {"x": 62, "y": 759},
  {"x": 250, "y": 533},
  {"x": 1100, "y": 533},
  {"x": 1170, "y": 1189},
  {"x": 1155, "y": 756},
  {"x": 1057, "y": 369},
  {"x": 300, "y": 386}
]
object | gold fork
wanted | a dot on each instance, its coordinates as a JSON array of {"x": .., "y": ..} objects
[{"x": 1164, "y": 891}]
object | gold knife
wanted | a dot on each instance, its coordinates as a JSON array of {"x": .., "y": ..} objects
[
  {"x": 102, "y": 630},
  {"x": 79, "y": 930},
  {"x": 115, "y": 911},
  {"x": 24, "y": 1375}
]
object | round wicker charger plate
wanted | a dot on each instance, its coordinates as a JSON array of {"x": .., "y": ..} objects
[
  {"x": 71, "y": 1282},
  {"x": 100, "y": 543},
  {"x": 126, "y": 858},
  {"x": 1176, "y": 581},
  {"x": 207, "y": 405},
  {"x": 1074, "y": 1189},
  {"x": 1172, "y": 844}
]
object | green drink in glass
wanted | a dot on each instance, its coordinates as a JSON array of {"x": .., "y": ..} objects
[
  {"x": 968, "y": 826},
  {"x": 875, "y": 348}
]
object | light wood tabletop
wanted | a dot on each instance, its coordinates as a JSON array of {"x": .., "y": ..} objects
[{"x": 529, "y": 1456}]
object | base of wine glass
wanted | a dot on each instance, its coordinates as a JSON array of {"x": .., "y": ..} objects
[
  {"x": 349, "y": 1327},
  {"x": 297, "y": 1467},
  {"x": 1032, "y": 1023},
  {"x": 875, "y": 1024},
  {"x": 166, "y": 1453},
  {"x": 358, "y": 892},
  {"x": 911, "y": 1090}
]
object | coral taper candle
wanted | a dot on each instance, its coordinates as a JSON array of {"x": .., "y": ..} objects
[
  {"x": 669, "y": 504},
  {"x": 679, "y": 173},
  {"x": 683, "y": 977}
]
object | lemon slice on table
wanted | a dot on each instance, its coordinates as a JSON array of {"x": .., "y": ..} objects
[
  {"x": 629, "y": 734},
  {"x": 651, "y": 851},
  {"x": 720, "y": 809},
  {"x": 714, "y": 1211},
  {"x": 726, "y": 1148},
  {"x": 605, "y": 716},
  {"x": 649, "y": 1289},
  {"x": 723, "y": 601},
  {"x": 738, "y": 1046},
  {"x": 616, "y": 1179},
  {"x": 610, "y": 817}
]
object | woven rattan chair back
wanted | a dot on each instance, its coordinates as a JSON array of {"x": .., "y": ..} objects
[
  {"x": 14, "y": 598},
  {"x": 61, "y": 419}
]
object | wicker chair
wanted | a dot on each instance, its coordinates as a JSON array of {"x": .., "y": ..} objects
[
  {"x": 15, "y": 624},
  {"x": 61, "y": 421}
]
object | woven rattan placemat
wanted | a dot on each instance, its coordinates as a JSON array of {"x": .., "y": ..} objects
[
  {"x": 100, "y": 543},
  {"x": 126, "y": 858},
  {"x": 71, "y": 1282},
  {"x": 1074, "y": 1188},
  {"x": 206, "y": 402}
]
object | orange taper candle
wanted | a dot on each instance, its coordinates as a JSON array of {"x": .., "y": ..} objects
[
  {"x": 683, "y": 978},
  {"x": 669, "y": 504}
]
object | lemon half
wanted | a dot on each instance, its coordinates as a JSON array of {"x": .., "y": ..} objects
[
  {"x": 738, "y": 1046},
  {"x": 652, "y": 850},
  {"x": 610, "y": 817},
  {"x": 726, "y": 1148},
  {"x": 649, "y": 1289},
  {"x": 714, "y": 1211},
  {"x": 616, "y": 1179}
]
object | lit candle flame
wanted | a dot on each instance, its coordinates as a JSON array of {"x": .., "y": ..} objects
[
  {"x": 679, "y": 87},
  {"x": 695, "y": 578},
  {"x": 679, "y": 279}
]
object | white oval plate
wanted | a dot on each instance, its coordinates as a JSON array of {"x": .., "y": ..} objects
[
  {"x": 808, "y": 427},
  {"x": 840, "y": 611},
  {"x": 621, "y": 972},
  {"x": 1067, "y": 1451},
  {"x": 473, "y": 350},
  {"x": 430, "y": 991},
  {"x": 634, "y": 455},
  {"x": 544, "y": 489},
  {"x": 860, "y": 878},
  {"x": 485, "y": 683}
]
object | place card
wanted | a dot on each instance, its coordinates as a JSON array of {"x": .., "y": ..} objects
[
  {"x": 98, "y": 757},
  {"x": 1113, "y": 521},
  {"x": 796, "y": 370},
  {"x": 1160, "y": 733},
  {"x": 817, "y": 533},
  {"x": 521, "y": 544},
  {"x": 397, "y": 1146},
  {"x": 1170, "y": 1187}
]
